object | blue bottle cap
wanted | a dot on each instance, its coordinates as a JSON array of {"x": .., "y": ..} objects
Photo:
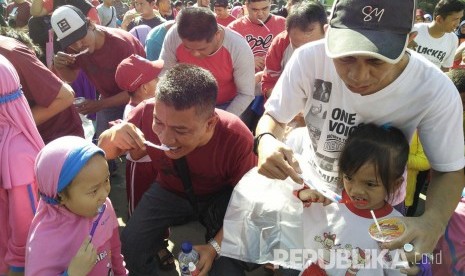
[{"x": 186, "y": 247}]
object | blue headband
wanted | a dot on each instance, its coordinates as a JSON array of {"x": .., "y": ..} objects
[
  {"x": 77, "y": 158},
  {"x": 11, "y": 96}
]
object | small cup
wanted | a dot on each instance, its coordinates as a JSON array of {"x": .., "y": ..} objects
[
  {"x": 79, "y": 100},
  {"x": 391, "y": 229}
]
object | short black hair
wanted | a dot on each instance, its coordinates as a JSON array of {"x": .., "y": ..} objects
[
  {"x": 305, "y": 13},
  {"x": 197, "y": 24},
  {"x": 385, "y": 146},
  {"x": 458, "y": 78},
  {"x": 445, "y": 8},
  {"x": 185, "y": 86}
]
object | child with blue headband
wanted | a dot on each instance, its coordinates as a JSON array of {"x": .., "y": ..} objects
[{"x": 75, "y": 229}]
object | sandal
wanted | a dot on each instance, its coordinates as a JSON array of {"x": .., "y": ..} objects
[{"x": 165, "y": 259}]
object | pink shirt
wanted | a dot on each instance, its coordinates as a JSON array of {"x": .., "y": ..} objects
[{"x": 49, "y": 227}]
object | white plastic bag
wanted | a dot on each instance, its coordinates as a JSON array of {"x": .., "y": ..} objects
[{"x": 263, "y": 217}]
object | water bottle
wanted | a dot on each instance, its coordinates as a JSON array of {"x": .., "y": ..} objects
[{"x": 187, "y": 255}]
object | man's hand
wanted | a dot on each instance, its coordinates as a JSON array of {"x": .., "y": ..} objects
[
  {"x": 89, "y": 107},
  {"x": 207, "y": 256},
  {"x": 84, "y": 260},
  {"x": 259, "y": 63},
  {"x": 62, "y": 60},
  {"x": 422, "y": 232},
  {"x": 276, "y": 160},
  {"x": 127, "y": 136},
  {"x": 258, "y": 77},
  {"x": 128, "y": 17}
]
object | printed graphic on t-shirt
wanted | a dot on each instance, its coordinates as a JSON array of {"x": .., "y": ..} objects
[
  {"x": 259, "y": 45},
  {"x": 330, "y": 249},
  {"x": 337, "y": 128},
  {"x": 322, "y": 90},
  {"x": 431, "y": 53}
]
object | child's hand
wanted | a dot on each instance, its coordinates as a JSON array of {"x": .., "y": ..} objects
[
  {"x": 84, "y": 260},
  {"x": 309, "y": 195}
]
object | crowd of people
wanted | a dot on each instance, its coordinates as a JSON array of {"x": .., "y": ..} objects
[{"x": 194, "y": 96}]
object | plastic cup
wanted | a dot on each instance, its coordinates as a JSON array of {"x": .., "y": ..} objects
[
  {"x": 391, "y": 229},
  {"x": 79, "y": 100}
]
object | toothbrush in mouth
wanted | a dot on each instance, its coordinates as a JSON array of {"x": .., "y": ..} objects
[
  {"x": 81, "y": 52},
  {"x": 101, "y": 210},
  {"x": 162, "y": 147}
]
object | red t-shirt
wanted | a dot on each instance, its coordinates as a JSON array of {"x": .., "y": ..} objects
[
  {"x": 23, "y": 13},
  {"x": 278, "y": 54},
  {"x": 225, "y": 21},
  {"x": 221, "y": 162},
  {"x": 41, "y": 87},
  {"x": 100, "y": 66}
]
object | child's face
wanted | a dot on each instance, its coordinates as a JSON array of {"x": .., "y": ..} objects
[
  {"x": 149, "y": 88},
  {"x": 365, "y": 185},
  {"x": 89, "y": 189}
]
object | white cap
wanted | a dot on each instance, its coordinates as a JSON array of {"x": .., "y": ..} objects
[{"x": 69, "y": 24}]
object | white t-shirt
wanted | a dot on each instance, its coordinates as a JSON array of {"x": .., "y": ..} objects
[
  {"x": 107, "y": 15},
  {"x": 337, "y": 236},
  {"x": 421, "y": 97},
  {"x": 439, "y": 51}
]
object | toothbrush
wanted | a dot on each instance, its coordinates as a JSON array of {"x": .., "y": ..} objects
[{"x": 101, "y": 210}]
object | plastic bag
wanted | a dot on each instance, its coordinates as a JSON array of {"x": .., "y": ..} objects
[{"x": 262, "y": 218}]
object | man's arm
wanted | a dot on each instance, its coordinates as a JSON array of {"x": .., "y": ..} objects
[
  {"x": 63, "y": 100},
  {"x": 275, "y": 159},
  {"x": 244, "y": 75},
  {"x": 168, "y": 50},
  {"x": 208, "y": 254}
]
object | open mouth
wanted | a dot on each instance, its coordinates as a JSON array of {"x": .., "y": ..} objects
[{"x": 359, "y": 200}]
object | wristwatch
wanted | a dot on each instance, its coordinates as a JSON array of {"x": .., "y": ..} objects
[{"x": 216, "y": 246}]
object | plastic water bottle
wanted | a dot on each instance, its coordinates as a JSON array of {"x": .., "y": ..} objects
[
  {"x": 186, "y": 256},
  {"x": 193, "y": 270}
]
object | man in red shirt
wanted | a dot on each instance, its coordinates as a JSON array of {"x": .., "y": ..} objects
[
  {"x": 222, "y": 13},
  {"x": 306, "y": 22},
  {"x": 97, "y": 50},
  {"x": 258, "y": 27},
  {"x": 216, "y": 147}
]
